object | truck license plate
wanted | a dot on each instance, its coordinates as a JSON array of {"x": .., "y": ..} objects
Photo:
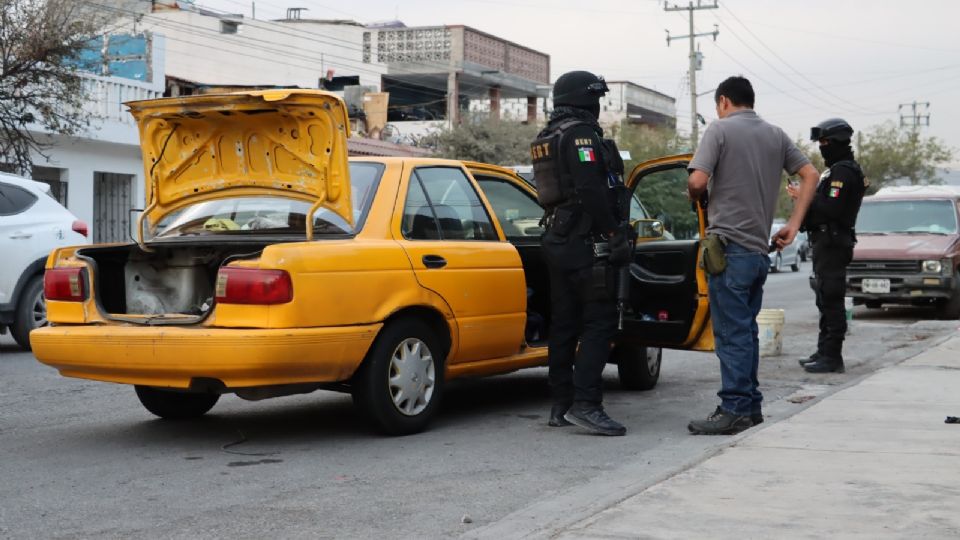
[{"x": 876, "y": 286}]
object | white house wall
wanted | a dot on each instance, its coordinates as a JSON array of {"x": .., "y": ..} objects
[
  {"x": 80, "y": 159},
  {"x": 261, "y": 52}
]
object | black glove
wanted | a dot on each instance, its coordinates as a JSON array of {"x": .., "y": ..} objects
[{"x": 621, "y": 245}]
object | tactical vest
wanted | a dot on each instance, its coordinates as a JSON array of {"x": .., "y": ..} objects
[
  {"x": 554, "y": 182},
  {"x": 854, "y": 208}
]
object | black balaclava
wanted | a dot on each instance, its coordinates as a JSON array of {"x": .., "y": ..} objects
[{"x": 835, "y": 151}]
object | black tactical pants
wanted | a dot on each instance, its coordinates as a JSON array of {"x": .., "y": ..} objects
[
  {"x": 584, "y": 309},
  {"x": 830, "y": 259}
]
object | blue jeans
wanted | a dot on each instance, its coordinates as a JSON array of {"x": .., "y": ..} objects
[{"x": 736, "y": 296}]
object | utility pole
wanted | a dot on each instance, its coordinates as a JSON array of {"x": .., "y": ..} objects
[
  {"x": 694, "y": 59},
  {"x": 914, "y": 119}
]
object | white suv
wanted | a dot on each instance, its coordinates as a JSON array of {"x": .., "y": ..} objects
[{"x": 32, "y": 223}]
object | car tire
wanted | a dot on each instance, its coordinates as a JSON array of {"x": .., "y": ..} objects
[
  {"x": 399, "y": 385},
  {"x": 803, "y": 255},
  {"x": 949, "y": 309},
  {"x": 638, "y": 366},
  {"x": 795, "y": 267},
  {"x": 31, "y": 312},
  {"x": 174, "y": 405},
  {"x": 778, "y": 263}
]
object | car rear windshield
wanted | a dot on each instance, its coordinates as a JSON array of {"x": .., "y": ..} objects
[
  {"x": 913, "y": 216},
  {"x": 272, "y": 215}
]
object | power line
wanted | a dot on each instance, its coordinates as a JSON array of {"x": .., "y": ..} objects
[
  {"x": 915, "y": 119},
  {"x": 695, "y": 59},
  {"x": 782, "y": 60},
  {"x": 205, "y": 33}
]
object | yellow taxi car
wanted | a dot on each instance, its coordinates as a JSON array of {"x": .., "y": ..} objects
[{"x": 268, "y": 264}]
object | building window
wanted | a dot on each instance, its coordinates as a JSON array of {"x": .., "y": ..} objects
[{"x": 229, "y": 27}]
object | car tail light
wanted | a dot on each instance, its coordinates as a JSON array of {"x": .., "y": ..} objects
[
  {"x": 80, "y": 227},
  {"x": 65, "y": 284},
  {"x": 253, "y": 286}
]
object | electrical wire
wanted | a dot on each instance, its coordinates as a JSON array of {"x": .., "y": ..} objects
[
  {"x": 795, "y": 70},
  {"x": 198, "y": 31}
]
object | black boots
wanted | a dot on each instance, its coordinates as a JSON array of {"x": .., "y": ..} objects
[
  {"x": 825, "y": 364},
  {"x": 556, "y": 415},
  {"x": 720, "y": 422},
  {"x": 592, "y": 416},
  {"x": 810, "y": 359}
]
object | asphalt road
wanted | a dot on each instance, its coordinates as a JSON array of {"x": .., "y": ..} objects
[{"x": 84, "y": 459}]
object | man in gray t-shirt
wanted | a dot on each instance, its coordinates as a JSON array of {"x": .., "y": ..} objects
[{"x": 738, "y": 163}]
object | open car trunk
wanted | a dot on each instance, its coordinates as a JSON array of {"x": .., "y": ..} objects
[{"x": 172, "y": 284}]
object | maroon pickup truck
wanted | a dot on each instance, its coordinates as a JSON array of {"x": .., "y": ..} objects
[{"x": 908, "y": 249}]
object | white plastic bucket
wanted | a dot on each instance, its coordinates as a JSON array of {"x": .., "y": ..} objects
[{"x": 770, "y": 323}]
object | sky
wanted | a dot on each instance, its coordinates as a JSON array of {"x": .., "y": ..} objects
[{"x": 808, "y": 60}]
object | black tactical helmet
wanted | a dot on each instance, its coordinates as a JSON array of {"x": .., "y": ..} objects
[
  {"x": 834, "y": 129},
  {"x": 579, "y": 89}
]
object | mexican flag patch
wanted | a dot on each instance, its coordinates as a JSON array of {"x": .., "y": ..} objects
[
  {"x": 586, "y": 154},
  {"x": 834, "y": 193}
]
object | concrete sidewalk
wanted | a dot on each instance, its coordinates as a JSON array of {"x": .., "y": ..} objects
[{"x": 874, "y": 460}]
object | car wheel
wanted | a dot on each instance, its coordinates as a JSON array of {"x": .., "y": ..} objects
[
  {"x": 949, "y": 309},
  {"x": 873, "y": 304},
  {"x": 174, "y": 405},
  {"x": 796, "y": 264},
  {"x": 398, "y": 386},
  {"x": 803, "y": 255},
  {"x": 31, "y": 312},
  {"x": 778, "y": 263},
  {"x": 638, "y": 366}
]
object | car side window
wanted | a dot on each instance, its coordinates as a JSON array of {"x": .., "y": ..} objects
[
  {"x": 664, "y": 197},
  {"x": 518, "y": 212},
  {"x": 419, "y": 222},
  {"x": 442, "y": 204},
  {"x": 14, "y": 200}
]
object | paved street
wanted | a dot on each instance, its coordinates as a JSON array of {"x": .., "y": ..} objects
[{"x": 84, "y": 459}]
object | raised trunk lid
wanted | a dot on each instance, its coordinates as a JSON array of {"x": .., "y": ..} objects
[{"x": 274, "y": 142}]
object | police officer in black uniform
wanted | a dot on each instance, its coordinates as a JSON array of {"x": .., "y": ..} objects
[
  {"x": 579, "y": 178},
  {"x": 830, "y": 225}
]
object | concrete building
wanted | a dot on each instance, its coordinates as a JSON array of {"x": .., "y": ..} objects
[
  {"x": 209, "y": 47},
  {"x": 631, "y": 103},
  {"x": 99, "y": 174},
  {"x": 435, "y": 72}
]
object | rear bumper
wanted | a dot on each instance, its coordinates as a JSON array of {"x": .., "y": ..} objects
[
  {"x": 904, "y": 289},
  {"x": 174, "y": 356}
]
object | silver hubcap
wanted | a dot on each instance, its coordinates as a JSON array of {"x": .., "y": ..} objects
[
  {"x": 39, "y": 311},
  {"x": 653, "y": 359},
  {"x": 412, "y": 377}
]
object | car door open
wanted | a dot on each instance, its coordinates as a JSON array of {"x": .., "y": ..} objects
[{"x": 669, "y": 306}]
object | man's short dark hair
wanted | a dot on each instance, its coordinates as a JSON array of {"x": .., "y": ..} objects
[{"x": 738, "y": 90}]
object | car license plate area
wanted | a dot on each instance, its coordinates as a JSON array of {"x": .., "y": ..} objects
[{"x": 876, "y": 286}]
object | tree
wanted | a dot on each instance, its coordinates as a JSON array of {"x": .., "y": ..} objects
[
  {"x": 645, "y": 142},
  {"x": 889, "y": 153},
  {"x": 40, "y": 85},
  {"x": 481, "y": 139}
]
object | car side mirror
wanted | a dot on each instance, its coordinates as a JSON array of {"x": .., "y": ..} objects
[{"x": 648, "y": 229}]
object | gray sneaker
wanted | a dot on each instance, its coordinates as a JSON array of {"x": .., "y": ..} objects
[
  {"x": 720, "y": 422},
  {"x": 594, "y": 418}
]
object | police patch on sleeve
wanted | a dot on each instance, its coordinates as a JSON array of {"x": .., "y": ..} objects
[
  {"x": 834, "y": 193},
  {"x": 586, "y": 154}
]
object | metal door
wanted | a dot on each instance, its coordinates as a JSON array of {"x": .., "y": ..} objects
[{"x": 112, "y": 201}]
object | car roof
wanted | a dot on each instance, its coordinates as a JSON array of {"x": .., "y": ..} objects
[
  {"x": 20, "y": 181},
  {"x": 917, "y": 192},
  {"x": 435, "y": 161}
]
